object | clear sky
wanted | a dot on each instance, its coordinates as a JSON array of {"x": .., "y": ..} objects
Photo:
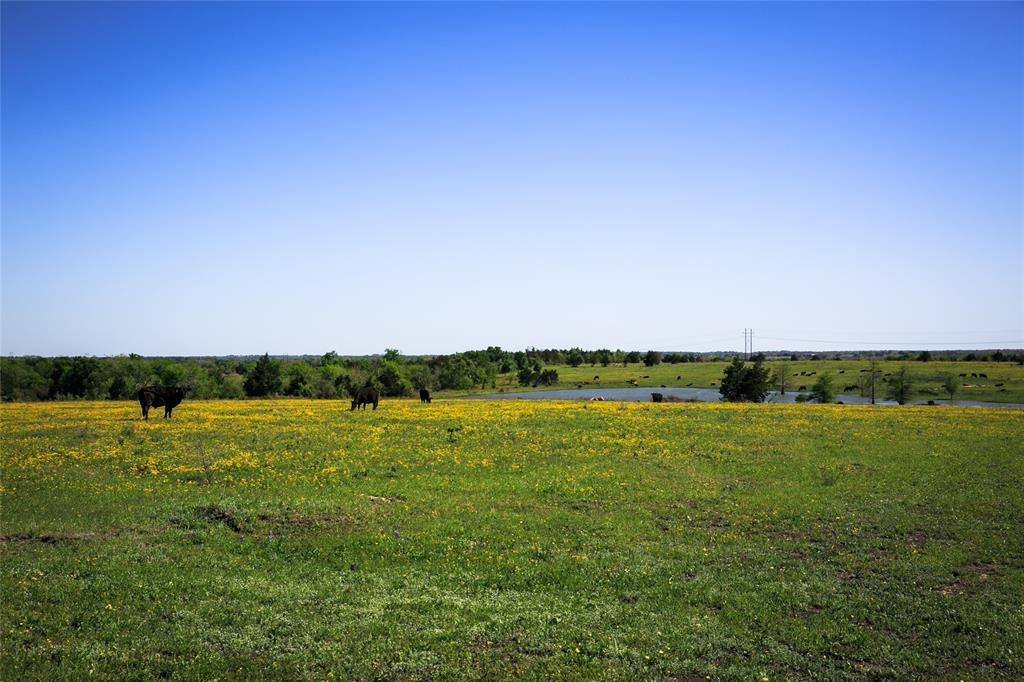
[{"x": 184, "y": 178}]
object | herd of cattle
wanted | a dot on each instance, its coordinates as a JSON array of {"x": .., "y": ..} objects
[{"x": 169, "y": 397}]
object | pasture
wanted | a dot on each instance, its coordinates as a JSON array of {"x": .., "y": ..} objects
[
  {"x": 292, "y": 539},
  {"x": 1004, "y": 381}
]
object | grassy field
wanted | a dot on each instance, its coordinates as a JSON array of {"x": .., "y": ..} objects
[
  {"x": 1004, "y": 381},
  {"x": 486, "y": 540}
]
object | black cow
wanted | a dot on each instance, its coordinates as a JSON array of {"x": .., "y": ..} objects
[
  {"x": 657, "y": 397},
  {"x": 365, "y": 396},
  {"x": 167, "y": 397},
  {"x": 424, "y": 395}
]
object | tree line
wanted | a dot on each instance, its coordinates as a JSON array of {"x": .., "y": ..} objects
[{"x": 328, "y": 376}]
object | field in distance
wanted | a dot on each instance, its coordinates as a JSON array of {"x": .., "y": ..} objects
[
  {"x": 294, "y": 539},
  {"x": 1004, "y": 381}
]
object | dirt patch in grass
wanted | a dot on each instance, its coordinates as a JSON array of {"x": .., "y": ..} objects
[
  {"x": 217, "y": 514},
  {"x": 968, "y": 578}
]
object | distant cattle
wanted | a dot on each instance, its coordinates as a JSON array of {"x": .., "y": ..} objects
[
  {"x": 657, "y": 397},
  {"x": 167, "y": 397},
  {"x": 842, "y": 371},
  {"x": 597, "y": 398},
  {"x": 596, "y": 377},
  {"x": 679, "y": 377},
  {"x": 802, "y": 388},
  {"x": 690, "y": 384},
  {"x": 962, "y": 374},
  {"x": 982, "y": 376},
  {"x": 647, "y": 376},
  {"x": 365, "y": 396},
  {"x": 849, "y": 388},
  {"x": 974, "y": 374},
  {"x": 424, "y": 395},
  {"x": 998, "y": 385}
]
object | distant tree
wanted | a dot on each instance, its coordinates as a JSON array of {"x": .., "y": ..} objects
[
  {"x": 232, "y": 385},
  {"x": 900, "y": 385},
  {"x": 421, "y": 377},
  {"x": 652, "y": 358},
  {"x": 782, "y": 377},
  {"x": 794, "y": 357},
  {"x": 925, "y": 356},
  {"x": 392, "y": 379},
  {"x": 575, "y": 357},
  {"x": 525, "y": 376},
  {"x": 742, "y": 383},
  {"x": 823, "y": 390},
  {"x": 265, "y": 378},
  {"x": 632, "y": 356},
  {"x": 951, "y": 385},
  {"x": 329, "y": 359},
  {"x": 548, "y": 377},
  {"x": 998, "y": 356}
]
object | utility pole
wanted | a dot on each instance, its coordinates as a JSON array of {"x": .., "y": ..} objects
[
  {"x": 745, "y": 342},
  {"x": 748, "y": 342}
]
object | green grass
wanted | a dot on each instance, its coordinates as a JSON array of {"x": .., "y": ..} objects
[
  {"x": 492, "y": 540},
  {"x": 928, "y": 377}
]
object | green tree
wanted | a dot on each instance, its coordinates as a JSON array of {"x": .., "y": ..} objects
[
  {"x": 575, "y": 357},
  {"x": 393, "y": 380},
  {"x": 743, "y": 383},
  {"x": 900, "y": 385},
  {"x": 951, "y": 385},
  {"x": 265, "y": 378},
  {"x": 823, "y": 390},
  {"x": 652, "y": 358}
]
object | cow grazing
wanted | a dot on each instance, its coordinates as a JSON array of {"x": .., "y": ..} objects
[
  {"x": 657, "y": 397},
  {"x": 596, "y": 377},
  {"x": 167, "y": 397},
  {"x": 679, "y": 377},
  {"x": 802, "y": 388},
  {"x": 365, "y": 396},
  {"x": 998, "y": 385},
  {"x": 982, "y": 376},
  {"x": 424, "y": 395}
]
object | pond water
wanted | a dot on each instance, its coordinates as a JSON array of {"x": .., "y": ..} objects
[{"x": 706, "y": 395}]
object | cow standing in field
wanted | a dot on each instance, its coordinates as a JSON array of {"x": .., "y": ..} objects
[
  {"x": 167, "y": 397},
  {"x": 424, "y": 395},
  {"x": 365, "y": 396},
  {"x": 657, "y": 397}
]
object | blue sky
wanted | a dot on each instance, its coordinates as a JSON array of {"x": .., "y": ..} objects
[{"x": 184, "y": 178}]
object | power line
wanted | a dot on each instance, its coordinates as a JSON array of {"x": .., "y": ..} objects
[{"x": 894, "y": 343}]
